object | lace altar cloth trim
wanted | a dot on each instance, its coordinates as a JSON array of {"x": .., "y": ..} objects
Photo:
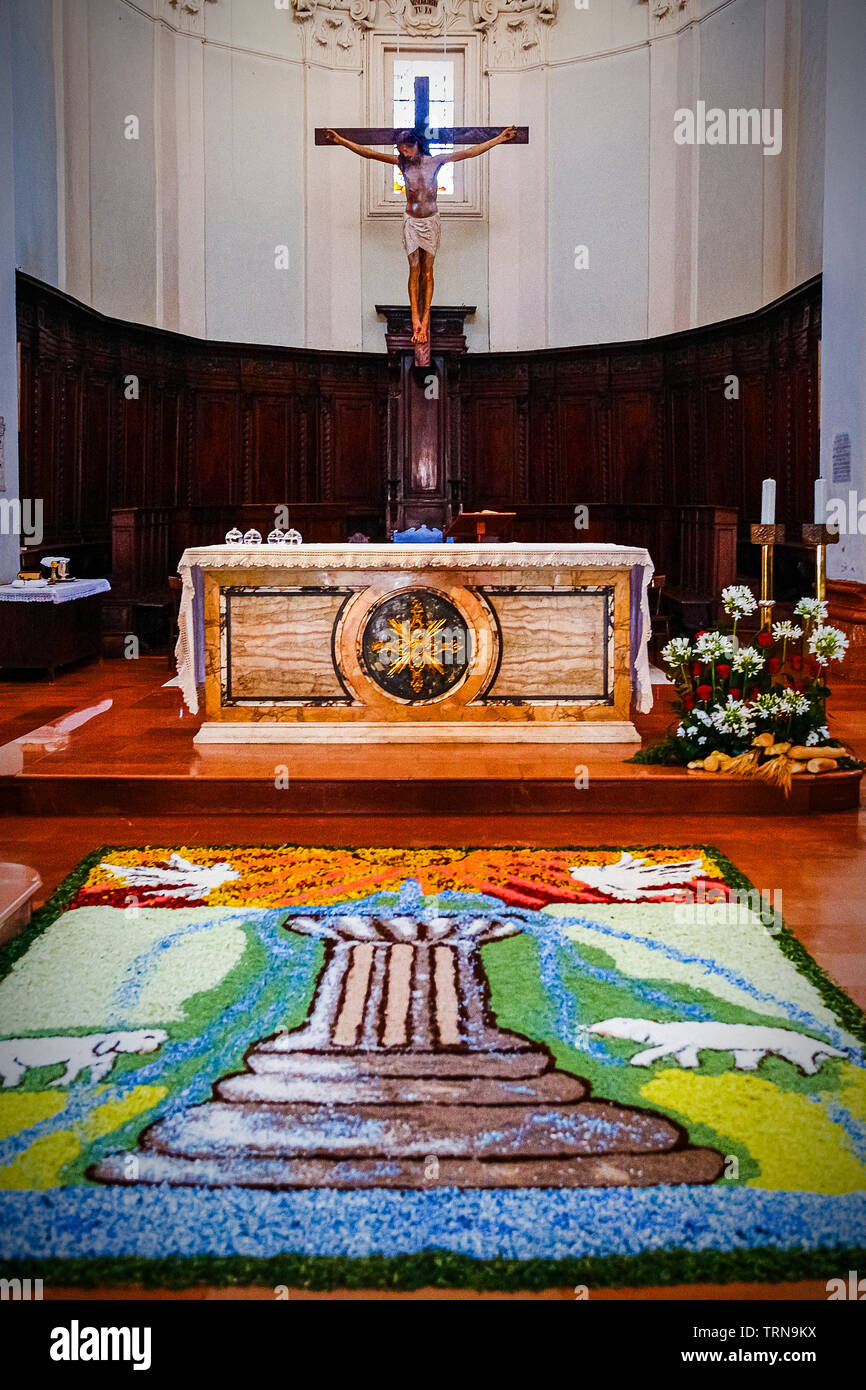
[{"x": 190, "y": 643}]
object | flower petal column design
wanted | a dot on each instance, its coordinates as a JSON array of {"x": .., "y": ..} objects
[{"x": 401, "y": 1077}]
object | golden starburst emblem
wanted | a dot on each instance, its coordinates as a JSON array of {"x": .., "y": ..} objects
[{"x": 419, "y": 648}]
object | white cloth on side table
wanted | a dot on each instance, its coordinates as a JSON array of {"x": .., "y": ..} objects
[{"x": 64, "y": 592}]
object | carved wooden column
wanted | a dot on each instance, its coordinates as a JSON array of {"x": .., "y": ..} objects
[{"x": 425, "y": 467}]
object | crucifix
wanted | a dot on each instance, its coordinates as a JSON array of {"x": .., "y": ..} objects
[{"x": 420, "y": 170}]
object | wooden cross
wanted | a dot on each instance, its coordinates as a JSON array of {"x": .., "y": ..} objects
[{"x": 439, "y": 135}]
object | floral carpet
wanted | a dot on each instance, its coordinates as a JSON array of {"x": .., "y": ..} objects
[{"x": 497, "y": 1068}]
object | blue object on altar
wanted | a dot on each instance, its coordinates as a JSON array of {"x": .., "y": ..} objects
[{"x": 428, "y": 534}]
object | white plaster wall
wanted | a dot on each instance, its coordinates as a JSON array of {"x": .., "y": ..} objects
[
  {"x": 808, "y": 179},
  {"x": 31, "y": 46},
  {"x": 519, "y": 192},
  {"x": 843, "y": 347},
  {"x": 334, "y": 283},
  {"x": 180, "y": 228},
  {"x": 123, "y": 222},
  {"x": 730, "y": 200},
  {"x": 254, "y": 165},
  {"x": 598, "y": 198}
]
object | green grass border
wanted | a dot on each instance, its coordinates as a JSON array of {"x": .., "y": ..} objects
[
  {"x": 434, "y": 1268},
  {"x": 447, "y": 1269}
]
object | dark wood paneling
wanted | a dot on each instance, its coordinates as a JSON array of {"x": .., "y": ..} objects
[
  {"x": 232, "y": 429},
  {"x": 356, "y": 465},
  {"x": 216, "y": 476},
  {"x": 636, "y": 449},
  {"x": 133, "y": 477},
  {"x": 494, "y": 444},
  {"x": 578, "y": 439},
  {"x": 271, "y": 445},
  {"x": 96, "y": 446}
]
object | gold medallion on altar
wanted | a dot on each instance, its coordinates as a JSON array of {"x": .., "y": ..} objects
[{"x": 416, "y": 646}]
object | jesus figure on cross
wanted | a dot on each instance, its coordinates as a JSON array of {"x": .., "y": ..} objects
[{"x": 421, "y": 220}]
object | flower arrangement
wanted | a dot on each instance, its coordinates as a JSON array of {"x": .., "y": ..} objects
[{"x": 757, "y": 708}]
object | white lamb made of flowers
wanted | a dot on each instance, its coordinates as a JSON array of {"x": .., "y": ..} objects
[
  {"x": 96, "y": 1051},
  {"x": 748, "y": 1042}
]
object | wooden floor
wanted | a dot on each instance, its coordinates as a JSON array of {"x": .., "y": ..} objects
[
  {"x": 818, "y": 863},
  {"x": 131, "y": 752}
]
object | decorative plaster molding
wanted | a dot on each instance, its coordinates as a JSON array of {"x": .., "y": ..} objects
[
  {"x": 187, "y": 16},
  {"x": 513, "y": 30},
  {"x": 665, "y": 9},
  {"x": 334, "y": 29},
  {"x": 430, "y": 17}
]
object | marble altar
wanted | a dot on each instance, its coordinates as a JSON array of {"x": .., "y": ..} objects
[{"x": 415, "y": 643}]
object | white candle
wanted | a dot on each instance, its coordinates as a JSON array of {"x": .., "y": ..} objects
[
  {"x": 820, "y": 501},
  {"x": 768, "y": 502}
]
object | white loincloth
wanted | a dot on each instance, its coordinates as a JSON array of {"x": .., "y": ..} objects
[{"x": 422, "y": 233}]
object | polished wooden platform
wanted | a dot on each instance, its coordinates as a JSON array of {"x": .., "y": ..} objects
[{"x": 131, "y": 752}]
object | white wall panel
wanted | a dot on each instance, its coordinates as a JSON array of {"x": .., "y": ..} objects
[
  {"x": 122, "y": 171},
  {"x": 730, "y": 179},
  {"x": 333, "y": 220},
  {"x": 32, "y": 74},
  {"x": 598, "y": 197},
  {"x": 253, "y": 122},
  {"x": 518, "y": 248}
]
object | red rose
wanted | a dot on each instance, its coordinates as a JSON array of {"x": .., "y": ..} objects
[
  {"x": 704, "y": 692},
  {"x": 754, "y": 693},
  {"x": 797, "y": 662},
  {"x": 765, "y": 639},
  {"x": 724, "y": 670},
  {"x": 735, "y": 694},
  {"x": 774, "y": 665},
  {"x": 689, "y": 701},
  {"x": 702, "y": 633},
  {"x": 697, "y": 667}
]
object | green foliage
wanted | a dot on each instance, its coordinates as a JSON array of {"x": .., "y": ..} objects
[
  {"x": 666, "y": 752},
  {"x": 446, "y": 1269}
]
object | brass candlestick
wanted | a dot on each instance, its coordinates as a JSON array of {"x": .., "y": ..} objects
[
  {"x": 766, "y": 535},
  {"x": 820, "y": 535}
]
